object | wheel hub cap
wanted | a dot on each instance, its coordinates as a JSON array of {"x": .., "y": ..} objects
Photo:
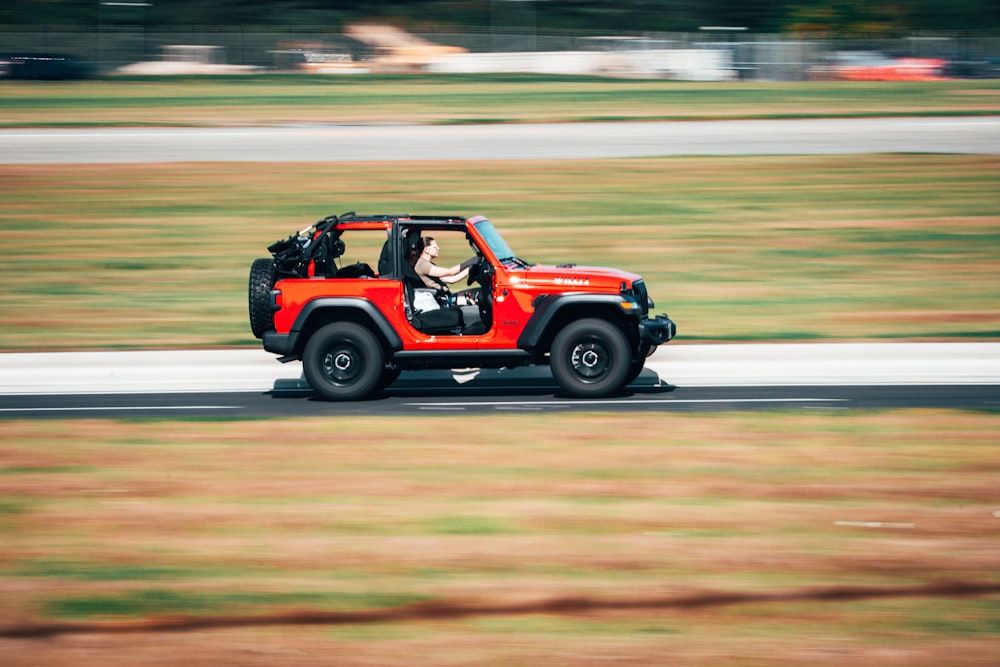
[
  {"x": 342, "y": 361},
  {"x": 589, "y": 360},
  {"x": 341, "y": 365}
]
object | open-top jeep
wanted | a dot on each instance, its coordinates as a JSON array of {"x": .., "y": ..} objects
[{"x": 354, "y": 327}]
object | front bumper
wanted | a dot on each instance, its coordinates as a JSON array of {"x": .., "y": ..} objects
[{"x": 657, "y": 330}]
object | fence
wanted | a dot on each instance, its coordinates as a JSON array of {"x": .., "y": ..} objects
[{"x": 751, "y": 56}]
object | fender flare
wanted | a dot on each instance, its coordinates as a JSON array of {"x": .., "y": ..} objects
[
  {"x": 549, "y": 308},
  {"x": 351, "y": 303}
]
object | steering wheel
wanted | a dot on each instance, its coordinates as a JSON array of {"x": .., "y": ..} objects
[{"x": 473, "y": 265}]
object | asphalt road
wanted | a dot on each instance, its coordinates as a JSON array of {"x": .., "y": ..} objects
[
  {"x": 341, "y": 143},
  {"x": 250, "y": 383},
  {"x": 641, "y": 397}
]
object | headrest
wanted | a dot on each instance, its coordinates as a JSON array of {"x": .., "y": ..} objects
[{"x": 337, "y": 248}]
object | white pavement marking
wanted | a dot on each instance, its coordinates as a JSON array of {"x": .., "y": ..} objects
[
  {"x": 829, "y": 364},
  {"x": 196, "y": 371},
  {"x": 873, "y": 524},
  {"x": 254, "y": 370},
  {"x": 118, "y": 408},
  {"x": 583, "y": 402}
]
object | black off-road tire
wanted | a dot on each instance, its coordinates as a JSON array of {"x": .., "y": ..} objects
[
  {"x": 389, "y": 375},
  {"x": 343, "y": 361},
  {"x": 635, "y": 369},
  {"x": 638, "y": 363},
  {"x": 590, "y": 358},
  {"x": 263, "y": 275}
]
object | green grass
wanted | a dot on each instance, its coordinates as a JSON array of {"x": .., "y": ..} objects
[
  {"x": 157, "y": 602},
  {"x": 467, "y": 99},
  {"x": 743, "y": 248}
]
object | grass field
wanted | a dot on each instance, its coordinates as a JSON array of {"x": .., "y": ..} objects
[
  {"x": 745, "y": 248},
  {"x": 464, "y": 99},
  {"x": 774, "y": 538},
  {"x": 106, "y": 521}
]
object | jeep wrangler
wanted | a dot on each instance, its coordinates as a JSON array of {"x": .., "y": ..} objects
[{"x": 355, "y": 328}]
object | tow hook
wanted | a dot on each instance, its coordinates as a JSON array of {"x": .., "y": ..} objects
[{"x": 657, "y": 330}]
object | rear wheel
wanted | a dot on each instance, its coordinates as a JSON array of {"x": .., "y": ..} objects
[
  {"x": 262, "y": 278},
  {"x": 389, "y": 375},
  {"x": 343, "y": 362},
  {"x": 590, "y": 358}
]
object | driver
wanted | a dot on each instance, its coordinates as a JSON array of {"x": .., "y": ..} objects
[{"x": 439, "y": 277}]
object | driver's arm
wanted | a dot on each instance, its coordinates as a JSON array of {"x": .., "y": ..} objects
[
  {"x": 449, "y": 275},
  {"x": 453, "y": 277}
]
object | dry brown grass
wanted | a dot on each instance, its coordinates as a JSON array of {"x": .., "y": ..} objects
[{"x": 268, "y": 517}]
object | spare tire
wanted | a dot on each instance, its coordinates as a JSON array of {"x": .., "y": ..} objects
[{"x": 263, "y": 275}]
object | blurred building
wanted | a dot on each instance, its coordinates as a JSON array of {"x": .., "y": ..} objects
[{"x": 707, "y": 55}]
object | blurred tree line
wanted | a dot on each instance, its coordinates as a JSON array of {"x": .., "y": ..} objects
[{"x": 814, "y": 18}]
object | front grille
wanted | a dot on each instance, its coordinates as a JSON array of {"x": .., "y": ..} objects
[{"x": 639, "y": 291}]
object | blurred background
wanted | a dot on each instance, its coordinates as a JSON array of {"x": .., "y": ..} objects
[
  {"x": 670, "y": 39},
  {"x": 124, "y": 519}
]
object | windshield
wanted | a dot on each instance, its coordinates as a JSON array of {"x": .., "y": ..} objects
[{"x": 496, "y": 243}]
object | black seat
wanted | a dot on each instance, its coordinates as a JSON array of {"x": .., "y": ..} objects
[
  {"x": 384, "y": 266},
  {"x": 330, "y": 249},
  {"x": 444, "y": 320},
  {"x": 356, "y": 270}
]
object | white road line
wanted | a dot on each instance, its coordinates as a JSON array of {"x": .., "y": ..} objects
[
  {"x": 114, "y": 408},
  {"x": 649, "y": 401},
  {"x": 873, "y": 524}
]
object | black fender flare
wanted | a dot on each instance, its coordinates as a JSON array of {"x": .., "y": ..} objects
[
  {"x": 549, "y": 307},
  {"x": 364, "y": 306}
]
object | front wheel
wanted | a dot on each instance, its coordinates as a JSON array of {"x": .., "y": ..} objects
[
  {"x": 343, "y": 362},
  {"x": 639, "y": 362},
  {"x": 590, "y": 358}
]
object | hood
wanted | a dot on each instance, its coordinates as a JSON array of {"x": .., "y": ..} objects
[{"x": 570, "y": 278}]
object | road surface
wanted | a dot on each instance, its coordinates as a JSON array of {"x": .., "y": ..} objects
[
  {"x": 527, "y": 141},
  {"x": 251, "y": 383}
]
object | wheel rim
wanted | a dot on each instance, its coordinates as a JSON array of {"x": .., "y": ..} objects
[
  {"x": 590, "y": 360},
  {"x": 343, "y": 363}
]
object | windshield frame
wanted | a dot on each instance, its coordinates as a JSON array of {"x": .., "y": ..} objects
[{"x": 494, "y": 241}]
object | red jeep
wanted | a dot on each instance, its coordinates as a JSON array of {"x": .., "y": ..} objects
[{"x": 354, "y": 327}]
